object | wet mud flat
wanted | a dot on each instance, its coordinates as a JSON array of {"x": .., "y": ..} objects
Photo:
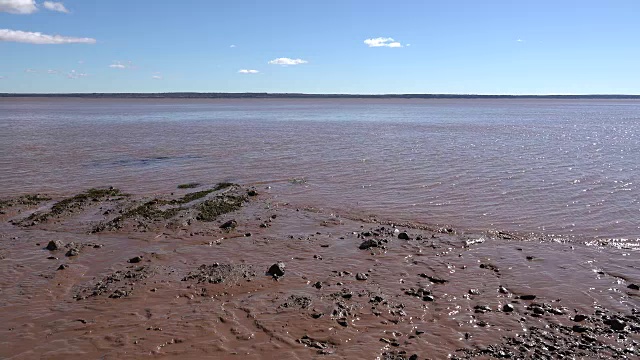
[{"x": 230, "y": 271}]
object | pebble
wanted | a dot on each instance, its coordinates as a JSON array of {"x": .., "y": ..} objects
[
  {"x": 508, "y": 308},
  {"x": 135, "y": 260},
  {"x": 474, "y": 292},
  {"x": 403, "y": 236},
  {"x": 63, "y": 266},
  {"x": 72, "y": 252},
  {"x": 231, "y": 224},
  {"x": 580, "y": 317},
  {"x": 54, "y": 245},
  {"x": 634, "y": 287},
  {"x": 527, "y": 297},
  {"x": 361, "y": 276},
  {"x": 276, "y": 270}
]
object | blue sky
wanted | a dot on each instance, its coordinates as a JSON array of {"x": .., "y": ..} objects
[{"x": 329, "y": 46}]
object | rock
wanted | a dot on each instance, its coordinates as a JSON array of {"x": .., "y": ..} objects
[
  {"x": 247, "y": 234},
  {"x": 508, "y": 308},
  {"x": 527, "y": 297},
  {"x": 135, "y": 260},
  {"x": 231, "y": 224},
  {"x": 503, "y": 290},
  {"x": 428, "y": 298},
  {"x": 474, "y": 292},
  {"x": 579, "y": 328},
  {"x": 367, "y": 244},
  {"x": 317, "y": 285},
  {"x": 72, "y": 252},
  {"x": 54, "y": 245},
  {"x": 343, "y": 322},
  {"x": 403, "y": 236},
  {"x": 482, "y": 309},
  {"x": 538, "y": 310},
  {"x": 433, "y": 279},
  {"x": 63, "y": 266},
  {"x": 252, "y": 193},
  {"x": 276, "y": 270},
  {"x": 634, "y": 287},
  {"x": 616, "y": 324},
  {"x": 580, "y": 317},
  {"x": 361, "y": 276}
]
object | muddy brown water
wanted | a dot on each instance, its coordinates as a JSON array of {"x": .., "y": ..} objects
[{"x": 313, "y": 212}]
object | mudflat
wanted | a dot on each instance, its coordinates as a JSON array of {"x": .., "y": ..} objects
[{"x": 231, "y": 271}]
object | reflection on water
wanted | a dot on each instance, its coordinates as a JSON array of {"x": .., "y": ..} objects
[{"x": 567, "y": 167}]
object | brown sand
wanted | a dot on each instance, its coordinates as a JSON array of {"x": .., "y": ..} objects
[{"x": 200, "y": 291}]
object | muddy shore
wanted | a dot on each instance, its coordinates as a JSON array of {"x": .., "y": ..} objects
[{"x": 230, "y": 271}]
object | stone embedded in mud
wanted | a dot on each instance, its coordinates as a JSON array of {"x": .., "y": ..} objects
[
  {"x": 73, "y": 252},
  {"x": 616, "y": 324},
  {"x": 135, "y": 260},
  {"x": 579, "y": 328},
  {"x": 508, "y": 308},
  {"x": 63, "y": 266},
  {"x": 252, "y": 193},
  {"x": 433, "y": 279},
  {"x": 367, "y": 244},
  {"x": 580, "y": 317},
  {"x": 231, "y": 224},
  {"x": 527, "y": 297},
  {"x": 361, "y": 276},
  {"x": 276, "y": 270},
  {"x": 54, "y": 245},
  {"x": 403, "y": 236},
  {"x": 474, "y": 292},
  {"x": 633, "y": 287},
  {"x": 428, "y": 298},
  {"x": 503, "y": 290}
]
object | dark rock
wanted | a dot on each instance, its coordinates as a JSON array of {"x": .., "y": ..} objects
[
  {"x": 276, "y": 270},
  {"x": 428, "y": 298},
  {"x": 73, "y": 252},
  {"x": 482, "y": 309},
  {"x": 231, "y": 224},
  {"x": 135, "y": 260},
  {"x": 538, "y": 310},
  {"x": 317, "y": 285},
  {"x": 579, "y": 328},
  {"x": 508, "y": 308},
  {"x": 252, "y": 193},
  {"x": 361, "y": 276},
  {"x": 616, "y": 324},
  {"x": 52, "y": 258},
  {"x": 63, "y": 266},
  {"x": 580, "y": 317},
  {"x": 474, "y": 292},
  {"x": 529, "y": 258},
  {"x": 527, "y": 297},
  {"x": 633, "y": 287},
  {"x": 343, "y": 322},
  {"x": 54, "y": 245},
  {"x": 433, "y": 279},
  {"x": 403, "y": 236},
  {"x": 368, "y": 244},
  {"x": 247, "y": 234}
]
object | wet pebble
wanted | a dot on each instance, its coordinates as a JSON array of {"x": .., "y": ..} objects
[
  {"x": 276, "y": 270},
  {"x": 231, "y": 224},
  {"x": 72, "y": 252},
  {"x": 634, "y": 287},
  {"x": 580, "y": 317},
  {"x": 63, "y": 266},
  {"x": 403, "y": 236},
  {"x": 135, "y": 260},
  {"x": 527, "y": 297},
  {"x": 54, "y": 245},
  {"x": 361, "y": 276},
  {"x": 508, "y": 308}
]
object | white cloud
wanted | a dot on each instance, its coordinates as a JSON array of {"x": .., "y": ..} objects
[
  {"x": 75, "y": 75},
  {"x": 232, "y": 46},
  {"x": 55, "y": 6},
  {"x": 287, "y": 61},
  {"x": 40, "y": 38},
  {"x": 156, "y": 77},
  {"x": 52, "y": 72},
  {"x": 120, "y": 65},
  {"x": 18, "y": 6},
  {"x": 245, "y": 71},
  {"x": 30, "y": 71},
  {"x": 383, "y": 42},
  {"x": 520, "y": 40}
]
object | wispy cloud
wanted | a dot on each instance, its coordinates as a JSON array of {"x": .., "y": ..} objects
[
  {"x": 245, "y": 71},
  {"x": 287, "y": 61},
  {"x": 157, "y": 77},
  {"x": 40, "y": 38},
  {"x": 52, "y": 72},
  {"x": 520, "y": 40},
  {"x": 232, "y": 46},
  {"x": 18, "y": 6},
  {"x": 75, "y": 75},
  {"x": 30, "y": 71},
  {"x": 55, "y": 6},
  {"x": 1, "y": 77},
  {"x": 120, "y": 65},
  {"x": 383, "y": 42}
]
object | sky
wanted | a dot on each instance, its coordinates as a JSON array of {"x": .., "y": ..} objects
[{"x": 321, "y": 46}]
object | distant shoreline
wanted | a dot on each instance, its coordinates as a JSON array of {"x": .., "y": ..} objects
[{"x": 195, "y": 95}]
